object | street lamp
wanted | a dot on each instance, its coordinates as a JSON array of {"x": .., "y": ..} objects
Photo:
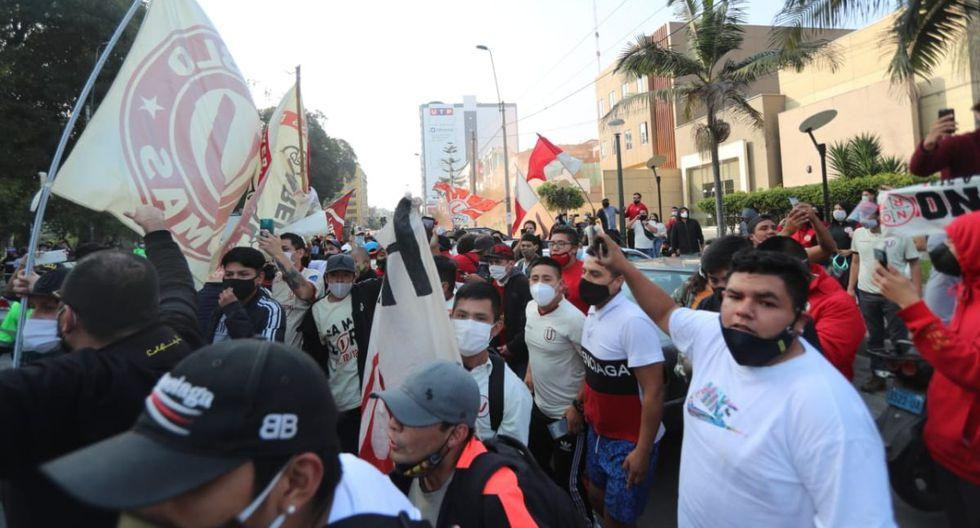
[
  {"x": 503, "y": 126},
  {"x": 807, "y": 127},
  {"x": 656, "y": 161},
  {"x": 615, "y": 124}
]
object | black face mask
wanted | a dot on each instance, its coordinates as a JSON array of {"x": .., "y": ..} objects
[
  {"x": 242, "y": 288},
  {"x": 750, "y": 350},
  {"x": 426, "y": 465},
  {"x": 944, "y": 261},
  {"x": 593, "y": 294},
  {"x": 381, "y": 264}
]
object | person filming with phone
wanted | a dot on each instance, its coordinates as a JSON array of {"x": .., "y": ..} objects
[{"x": 951, "y": 155}]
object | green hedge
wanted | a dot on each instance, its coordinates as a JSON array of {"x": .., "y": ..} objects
[{"x": 775, "y": 201}]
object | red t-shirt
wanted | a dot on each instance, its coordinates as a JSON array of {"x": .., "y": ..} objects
[
  {"x": 634, "y": 210},
  {"x": 572, "y": 275},
  {"x": 465, "y": 264},
  {"x": 806, "y": 236}
]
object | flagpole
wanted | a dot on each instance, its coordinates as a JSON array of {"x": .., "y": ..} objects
[
  {"x": 302, "y": 152},
  {"x": 53, "y": 170}
]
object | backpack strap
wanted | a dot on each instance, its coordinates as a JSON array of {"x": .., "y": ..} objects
[
  {"x": 377, "y": 520},
  {"x": 496, "y": 392}
]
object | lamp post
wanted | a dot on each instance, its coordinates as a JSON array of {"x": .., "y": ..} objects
[
  {"x": 503, "y": 127},
  {"x": 654, "y": 162},
  {"x": 615, "y": 124},
  {"x": 807, "y": 127}
]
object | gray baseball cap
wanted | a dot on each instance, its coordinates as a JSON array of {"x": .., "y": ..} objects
[
  {"x": 341, "y": 263},
  {"x": 436, "y": 392}
]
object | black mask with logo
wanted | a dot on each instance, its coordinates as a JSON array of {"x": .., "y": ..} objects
[
  {"x": 593, "y": 294},
  {"x": 750, "y": 350},
  {"x": 243, "y": 288}
]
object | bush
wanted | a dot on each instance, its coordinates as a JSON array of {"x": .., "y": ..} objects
[{"x": 775, "y": 201}]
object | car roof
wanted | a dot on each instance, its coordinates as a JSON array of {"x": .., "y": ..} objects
[{"x": 684, "y": 264}]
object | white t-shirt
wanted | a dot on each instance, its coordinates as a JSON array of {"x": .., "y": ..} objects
[
  {"x": 363, "y": 489},
  {"x": 516, "y": 420},
  {"x": 899, "y": 250},
  {"x": 554, "y": 341},
  {"x": 335, "y": 324},
  {"x": 640, "y": 240},
  {"x": 789, "y": 445},
  {"x": 294, "y": 307}
]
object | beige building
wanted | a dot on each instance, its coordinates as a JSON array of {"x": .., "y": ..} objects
[{"x": 357, "y": 210}]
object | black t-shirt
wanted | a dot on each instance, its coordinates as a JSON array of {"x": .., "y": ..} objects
[{"x": 841, "y": 232}]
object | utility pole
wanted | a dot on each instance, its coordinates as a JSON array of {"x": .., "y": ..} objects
[{"x": 473, "y": 155}]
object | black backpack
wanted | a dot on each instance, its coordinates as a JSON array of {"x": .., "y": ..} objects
[
  {"x": 550, "y": 505},
  {"x": 376, "y": 520},
  {"x": 495, "y": 394}
]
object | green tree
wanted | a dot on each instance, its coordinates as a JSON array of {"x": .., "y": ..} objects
[
  {"x": 707, "y": 79},
  {"x": 560, "y": 197},
  {"x": 454, "y": 175},
  {"x": 861, "y": 156},
  {"x": 47, "y": 50},
  {"x": 923, "y": 33}
]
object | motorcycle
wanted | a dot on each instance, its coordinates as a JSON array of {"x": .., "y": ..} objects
[{"x": 911, "y": 471}]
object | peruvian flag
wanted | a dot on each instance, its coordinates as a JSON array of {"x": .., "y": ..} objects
[
  {"x": 331, "y": 218},
  {"x": 525, "y": 200},
  {"x": 462, "y": 202},
  {"x": 544, "y": 154}
]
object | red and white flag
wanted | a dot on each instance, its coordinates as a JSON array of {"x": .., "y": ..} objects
[
  {"x": 544, "y": 154},
  {"x": 329, "y": 220},
  {"x": 177, "y": 130},
  {"x": 411, "y": 326},
  {"x": 462, "y": 202},
  {"x": 525, "y": 200}
]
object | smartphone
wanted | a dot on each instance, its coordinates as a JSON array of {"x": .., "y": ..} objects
[
  {"x": 793, "y": 201},
  {"x": 267, "y": 224},
  {"x": 558, "y": 429},
  {"x": 943, "y": 112},
  {"x": 881, "y": 257},
  {"x": 483, "y": 270}
]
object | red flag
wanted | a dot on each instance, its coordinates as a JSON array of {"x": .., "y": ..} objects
[
  {"x": 545, "y": 153},
  {"x": 337, "y": 213},
  {"x": 461, "y": 202},
  {"x": 526, "y": 199}
]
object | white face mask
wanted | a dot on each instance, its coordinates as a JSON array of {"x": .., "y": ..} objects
[
  {"x": 498, "y": 272},
  {"x": 340, "y": 289},
  {"x": 684, "y": 214},
  {"x": 543, "y": 293},
  {"x": 254, "y": 506},
  {"x": 840, "y": 215},
  {"x": 39, "y": 334},
  {"x": 472, "y": 336}
]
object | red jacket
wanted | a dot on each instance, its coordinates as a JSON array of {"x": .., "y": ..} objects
[
  {"x": 953, "y": 157},
  {"x": 465, "y": 265},
  {"x": 837, "y": 319},
  {"x": 952, "y": 431}
]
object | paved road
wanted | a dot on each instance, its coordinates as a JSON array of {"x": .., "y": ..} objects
[{"x": 661, "y": 510}]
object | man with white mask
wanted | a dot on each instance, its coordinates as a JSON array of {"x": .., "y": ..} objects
[
  {"x": 512, "y": 287},
  {"x": 41, "y": 330},
  {"x": 476, "y": 318},
  {"x": 556, "y": 374}
]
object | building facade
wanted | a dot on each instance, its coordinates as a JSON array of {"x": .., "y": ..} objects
[{"x": 357, "y": 210}]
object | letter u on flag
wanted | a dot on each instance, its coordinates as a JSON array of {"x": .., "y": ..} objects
[
  {"x": 177, "y": 130},
  {"x": 411, "y": 326}
]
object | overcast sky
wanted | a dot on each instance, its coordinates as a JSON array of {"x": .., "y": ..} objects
[{"x": 368, "y": 65}]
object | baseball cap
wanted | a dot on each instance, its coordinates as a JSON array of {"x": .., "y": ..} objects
[
  {"x": 341, "y": 262},
  {"x": 50, "y": 282},
  {"x": 372, "y": 246},
  {"x": 503, "y": 251},
  {"x": 483, "y": 243},
  {"x": 436, "y": 392},
  {"x": 217, "y": 409}
]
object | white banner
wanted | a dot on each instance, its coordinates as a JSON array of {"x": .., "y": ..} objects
[
  {"x": 177, "y": 130},
  {"x": 927, "y": 208}
]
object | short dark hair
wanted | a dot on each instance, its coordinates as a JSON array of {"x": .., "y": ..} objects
[
  {"x": 568, "y": 231},
  {"x": 784, "y": 245},
  {"x": 526, "y": 222},
  {"x": 534, "y": 239},
  {"x": 465, "y": 243},
  {"x": 246, "y": 256},
  {"x": 794, "y": 273},
  {"x": 545, "y": 261},
  {"x": 294, "y": 239},
  {"x": 479, "y": 291},
  {"x": 638, "y": 194},
  {"x": 718, "y": 255},
  {"x": 874, "y": 192},
  {"x": 87, "y": 248},
  {"x": 446, "y": 268},
  {"x": 758, "y": 220}
]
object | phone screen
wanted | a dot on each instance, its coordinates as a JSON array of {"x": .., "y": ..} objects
[
  {"x": 881, "y": 257},
  {"x": 267, "y": 224},
  {"x": 558, "y": 429},
  {"x": 945, "y": 112},
  {"x": 793, "y": 201}
]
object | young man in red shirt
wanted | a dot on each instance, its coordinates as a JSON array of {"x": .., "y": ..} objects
[
  {"x": 564, "y": 250},
  {"x": 634, "y": 210},
  {"x": 941, "y": 151}
]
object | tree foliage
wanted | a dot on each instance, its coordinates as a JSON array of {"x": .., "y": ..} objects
[
  {"x": 860, "y": 156},
  {"x": 454, "y": 175},
  {"x": 561, "y": 197}
]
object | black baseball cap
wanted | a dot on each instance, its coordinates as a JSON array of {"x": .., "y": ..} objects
[{"x": 220, "y": 407}]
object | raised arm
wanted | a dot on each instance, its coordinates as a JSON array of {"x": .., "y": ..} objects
[
  {"x": 826, "y": 244},
  {"x": 272, "y": 246},
  {"x": 655, "y": 302}
]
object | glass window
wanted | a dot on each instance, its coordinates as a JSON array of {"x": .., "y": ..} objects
[
  {"x": 612, "y": 99},
  {"x": 602, "y": 108},
  {"x": 628, "y": 138},
  {"x": 625, "y": 90},
  {"x": 644, "y": 133},
  {"x": 602, "y": 149},
  {"x": 642, "y": 85},
  {"x": 701, "y": 183}
]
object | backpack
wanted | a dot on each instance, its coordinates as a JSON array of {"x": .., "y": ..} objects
[
  {"x": 550, "y": 505},
  {"x": 496, "y": 392},
  {"x": 377, "y": 520}
]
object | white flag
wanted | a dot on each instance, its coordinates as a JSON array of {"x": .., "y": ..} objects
[
  {"x": 177, "y": 130},
  {"x": 411, "y": 326}
]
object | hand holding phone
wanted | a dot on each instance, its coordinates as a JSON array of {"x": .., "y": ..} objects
[
  {"x": 267, "y": 224},
  {"x": 882, "y": 257},
  {"x": 943, "y": 127}
]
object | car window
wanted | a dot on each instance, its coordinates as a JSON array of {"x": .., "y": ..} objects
[{"x": 668, "y": 281}]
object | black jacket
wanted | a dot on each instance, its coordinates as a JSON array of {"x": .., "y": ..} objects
[
  {"x": 517, "y": 294},
  {"x": 685, "y": 237},
  {"x": 261, "y": 317},
  {"x": 56, "y": 405},
  {"x": 364, "y": 296}
]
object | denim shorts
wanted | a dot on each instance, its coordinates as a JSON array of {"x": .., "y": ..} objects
[{"x": 604, "y": 468}]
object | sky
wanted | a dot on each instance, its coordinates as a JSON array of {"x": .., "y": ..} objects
[{"x": 368, "y": 65}]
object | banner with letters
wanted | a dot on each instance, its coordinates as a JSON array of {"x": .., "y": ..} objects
[{"x": 927, "y": 208}]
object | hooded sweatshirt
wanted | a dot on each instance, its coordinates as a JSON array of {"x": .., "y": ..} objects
[
  {"x": 952, "y": 431},
  {"x": 838, "y": 320}
]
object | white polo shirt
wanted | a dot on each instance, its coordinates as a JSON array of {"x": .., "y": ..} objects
[
  {"x": 294, "y": 307},
  {"x": 516, "y": 421},
  {"x": 554, "y": 342}
]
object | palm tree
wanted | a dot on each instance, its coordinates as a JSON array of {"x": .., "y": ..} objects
[
  {"x": 706, "y": 78},
  {"x": 923, "y": 33}
]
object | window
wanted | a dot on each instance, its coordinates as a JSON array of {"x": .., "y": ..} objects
[
  {"x": 644, "y": 133},
  {"x": 642, "y": 85},
  {"x": 612, "y": 100},
  {"x": 625, "y": 90},
  {"x": 602, "y": 108},
  {"x": 628, "y": 138},
  {"x": 602, "y": 149},
  {"x": 701, "y": 183}
]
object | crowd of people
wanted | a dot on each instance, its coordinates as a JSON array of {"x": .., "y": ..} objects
[{"x": 147, "y": 401}]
